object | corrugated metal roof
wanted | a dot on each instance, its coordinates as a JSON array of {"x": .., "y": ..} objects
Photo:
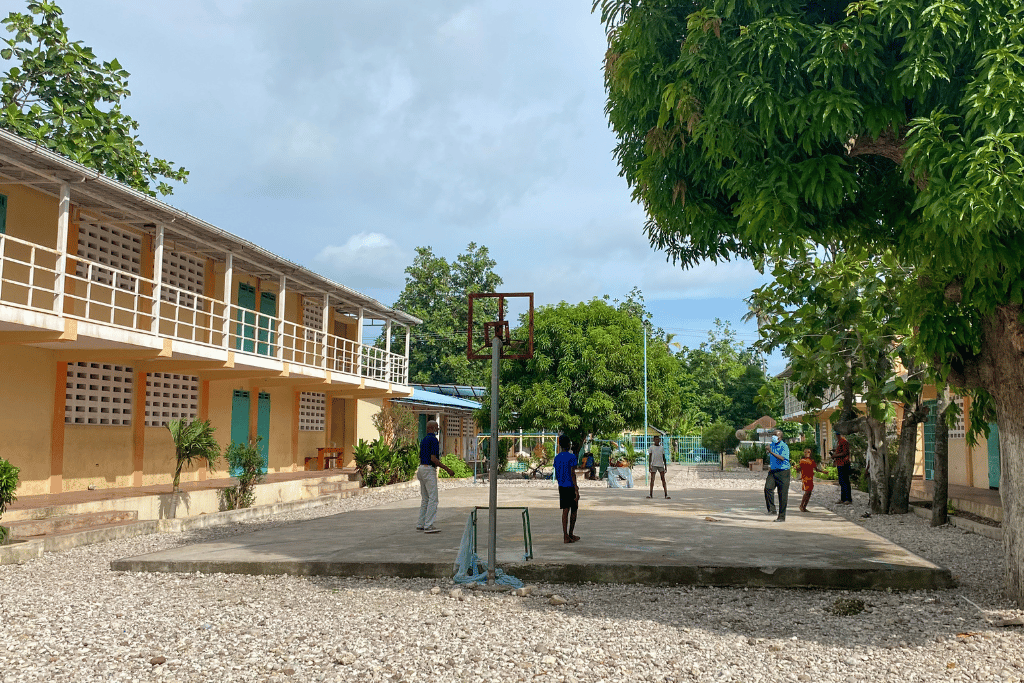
[
  {"x": 25, "y": 162},
  {"x": 435, "y": 399}
]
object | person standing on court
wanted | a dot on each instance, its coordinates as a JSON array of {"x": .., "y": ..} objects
[
  {"x": 778, "y": 476},
  {"x": 841, "y": 459},
  {"x": 656, "y": 462},
  {"x": 430, "y": 460},
  {"x": 568, "y": 489}
]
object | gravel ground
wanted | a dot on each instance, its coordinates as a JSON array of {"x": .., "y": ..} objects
[{"x": 67, "y": 617}]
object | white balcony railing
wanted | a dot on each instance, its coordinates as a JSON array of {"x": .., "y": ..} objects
[{"x": 30, "y": 277}]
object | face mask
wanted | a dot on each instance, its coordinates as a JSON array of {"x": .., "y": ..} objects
[{"x": 775, "y": 439}]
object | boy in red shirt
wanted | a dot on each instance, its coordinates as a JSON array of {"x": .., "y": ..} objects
[{"x": 808, "y": 467}]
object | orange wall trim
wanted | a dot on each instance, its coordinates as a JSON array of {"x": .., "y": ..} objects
[
  {"x": 295, "y": 431},
  {"x": 57, "y": 429},
  {"x": 138, "y": 424},
  {"x": 203, "y": 414}
]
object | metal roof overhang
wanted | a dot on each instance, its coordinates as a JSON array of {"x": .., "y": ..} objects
[{"x": 27, "y": 163}]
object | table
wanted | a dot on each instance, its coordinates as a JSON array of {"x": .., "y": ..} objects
[{"x": 331, "y": 455}]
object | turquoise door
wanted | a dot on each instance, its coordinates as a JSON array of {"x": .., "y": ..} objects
[
  {"x": 263, "y": 427},
  {"x": 239, "y": 420},
  {"x": 994, "y": 468},
  {"x": 267, "y": 324},
  {"x": 245, "y": 328}
]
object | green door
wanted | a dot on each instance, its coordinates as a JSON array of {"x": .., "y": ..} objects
[
  {"x": 994, "y": 468},
  {"x": 239, "y": 420},
  {"x": 929, "y": 440},
  {"x": 263, "y": 427},
  {"x": 267, "y": 324},
  {"x": 245, "y": 329},
  {"x": 3, "y": 214}
]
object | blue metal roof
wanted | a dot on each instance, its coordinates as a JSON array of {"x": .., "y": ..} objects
[{"x": 434, "y": 399}]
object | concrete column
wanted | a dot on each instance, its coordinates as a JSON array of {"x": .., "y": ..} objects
[
  {"x": 158, "y": 274},
  {"x": 229, "y": 274},
  {"x": 63, "y": 215},
  {"x": 326, "y": 325},
  {"x": 280, "y": 318}
]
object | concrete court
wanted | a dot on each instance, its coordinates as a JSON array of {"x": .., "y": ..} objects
[{"x": 699, "y": 537}]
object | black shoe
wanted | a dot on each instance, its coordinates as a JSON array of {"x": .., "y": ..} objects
[
  {"x": 780, "y": 519},
  {"x": 772, "y": 512}
]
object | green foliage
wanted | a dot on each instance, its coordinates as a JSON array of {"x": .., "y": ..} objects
[
  {"x": 796, "y": 449},
  {"x": 380, "y": 465},
  {"x": 748, "y": 454},
  {"x": 193, "y": 443},
  {"x": 457, "y": 465},
  {"x": 8, "y": 485},
  {"x": 831, "y": 473},
  {"x": 57, "y": 93},
  {"x": 719, "y": 438},
  {"x": 245, "y": 459},
  {"x": 722, "y": 381},
  {"x": 586, "y": 374},
  {"x": 629, "y": 453},
  {"x": 437, "y": 291}
]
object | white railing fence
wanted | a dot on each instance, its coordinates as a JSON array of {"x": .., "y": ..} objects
[{"x": 30, "y": 278}]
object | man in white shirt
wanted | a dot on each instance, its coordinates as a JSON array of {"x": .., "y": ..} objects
[{"x": 656, "y": 460}]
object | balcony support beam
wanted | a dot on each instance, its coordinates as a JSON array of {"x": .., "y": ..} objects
[
  {"x": 63, "y": 220},
  {"x": 281, "y": 293},
  {"x": 158, "y": 276},
  {"x": 229, "y": 275}
]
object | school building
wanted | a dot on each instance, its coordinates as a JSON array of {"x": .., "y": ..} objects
[
  {"x": 119, "y": 313},
  {"x": 974, "y": 467}
]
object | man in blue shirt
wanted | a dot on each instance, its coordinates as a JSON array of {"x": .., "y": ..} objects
[
  {"x": 568, "y": 489},
  {"x": 778, "y": 476},
  {"x": 430, "y": 460}
]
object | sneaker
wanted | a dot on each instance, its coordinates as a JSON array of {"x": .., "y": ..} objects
[
  {"x": 780, "y": 519},
  {"x": 419, "y": 528},
  {"x": 431, "y": 530},
  {"x": 771, "y": 512}
]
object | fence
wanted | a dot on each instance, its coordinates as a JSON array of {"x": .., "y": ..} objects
[{"x": 684, "y": 449}]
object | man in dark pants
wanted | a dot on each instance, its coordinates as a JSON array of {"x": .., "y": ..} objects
[
  {"x": 778, "y": 476},
  {"x": 568, "y": 489},
  {"x": 841, "y": 459}
]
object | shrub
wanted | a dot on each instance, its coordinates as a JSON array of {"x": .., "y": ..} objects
[
  {"x": 458, "y": 466},
  {"x": 379, "y": 464},
  {"x": 830, "y": 473},
  {"x": 193, "y": 443},
  {"x": 245, "y": 459},
  {"x": 8, "y": 484},
  {"x": 748, "y": 454},
  {"x": 719, "y": 438},
  {"x": 396, "y": 424}
]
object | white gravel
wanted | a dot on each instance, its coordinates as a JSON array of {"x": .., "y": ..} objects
[{"x": 67, "y": 617}]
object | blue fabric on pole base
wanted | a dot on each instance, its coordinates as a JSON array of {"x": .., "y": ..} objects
[{"x": 469, "y": 568}]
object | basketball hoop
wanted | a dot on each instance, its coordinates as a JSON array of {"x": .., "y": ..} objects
[{"x": 481, "y": 335}]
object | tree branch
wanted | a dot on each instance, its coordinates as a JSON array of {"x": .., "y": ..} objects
[{"x": 890, "y": 144}]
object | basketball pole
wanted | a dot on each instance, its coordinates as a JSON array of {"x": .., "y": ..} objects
[{"x": 495, "y": 358}]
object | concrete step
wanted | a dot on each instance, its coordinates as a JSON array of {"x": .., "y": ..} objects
[
  {"x": 49, "y": 526},
  {"x": 325, "y": 488}
]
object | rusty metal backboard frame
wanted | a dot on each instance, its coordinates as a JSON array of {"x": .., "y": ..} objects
[{"x": 511, "y": 349}]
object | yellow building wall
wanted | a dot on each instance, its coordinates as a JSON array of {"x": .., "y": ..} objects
[
  {"x": 366, "y": 409},
  {"x": 279, "y": 453},
  {"x": 220, "y": 417},
  {"x": 31, "y": 215},
  {"x": 308, "y": 443},
  {"x": 97, "y": 455},
  {"x": 27, "y": 382},
  {"x": 158, "y": 459}
]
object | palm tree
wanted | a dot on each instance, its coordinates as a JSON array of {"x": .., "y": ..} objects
[{"x": 193, "y": 442}]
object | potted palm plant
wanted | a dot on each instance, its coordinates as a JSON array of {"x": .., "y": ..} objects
[{"x": 193, "y": 443}]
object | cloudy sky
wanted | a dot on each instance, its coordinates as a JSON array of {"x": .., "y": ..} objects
[{"x": 343, "y": 134}]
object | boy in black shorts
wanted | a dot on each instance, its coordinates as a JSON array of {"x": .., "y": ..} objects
[{"x": 568, "y": 490}]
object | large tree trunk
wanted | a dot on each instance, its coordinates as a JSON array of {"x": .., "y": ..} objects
[
  {"x": 874, "y": 430},
  {"x": 940, "y": 493},
  {"x": 901, "y": 472},
  {"x": 999, "y": 369}
]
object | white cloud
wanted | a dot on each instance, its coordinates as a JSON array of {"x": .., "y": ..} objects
[{"x": 367, "y": 261}]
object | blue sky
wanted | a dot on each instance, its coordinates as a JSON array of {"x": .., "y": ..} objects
[{"x": 341, "y": 135}]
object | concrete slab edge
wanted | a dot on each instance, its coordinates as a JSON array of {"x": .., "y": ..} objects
[
  {"x": 993, "y": 532},
  {"x": 20, "y": 551},
  {"x": 881, "y": 578},
  {"x": 75, "y": 539}
]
